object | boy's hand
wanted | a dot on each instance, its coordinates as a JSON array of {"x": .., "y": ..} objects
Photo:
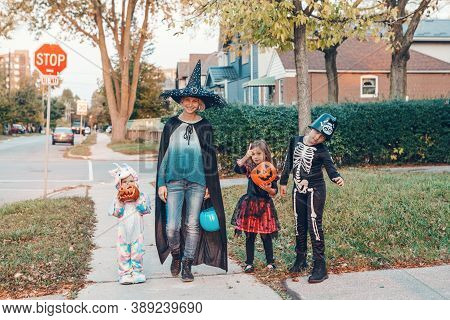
[
  {"x": 339, "y": 181},
  {"x": 303, "y": 185},
  {"x": 162, "y": 193},
  {"x": 283, "y": 190}
]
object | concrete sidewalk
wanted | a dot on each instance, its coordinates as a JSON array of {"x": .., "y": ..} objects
[
  {"x": 210, "y": 283},
  {"x": 431, "y": 283}
]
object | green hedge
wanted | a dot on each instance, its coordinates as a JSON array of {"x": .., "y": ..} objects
[{"x": 367, "y": 133}]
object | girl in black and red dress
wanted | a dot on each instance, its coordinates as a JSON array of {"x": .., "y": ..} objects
[{"x": 255, "y": 212}]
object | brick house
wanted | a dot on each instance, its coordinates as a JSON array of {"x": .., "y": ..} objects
[{"x": 363, "y": 74}]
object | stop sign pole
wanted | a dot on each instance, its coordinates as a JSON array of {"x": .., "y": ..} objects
[{"x": 50, "y": 60}]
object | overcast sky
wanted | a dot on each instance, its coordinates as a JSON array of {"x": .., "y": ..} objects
[{"x": 84, "y": 67}]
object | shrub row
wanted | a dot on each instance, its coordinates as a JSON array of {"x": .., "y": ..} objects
[{"x": 367, "y": 133}]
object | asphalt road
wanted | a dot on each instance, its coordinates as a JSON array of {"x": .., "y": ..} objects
[{"x": 22, "y": 169}]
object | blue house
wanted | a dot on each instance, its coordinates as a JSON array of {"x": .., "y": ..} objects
[{"x": 240, "y": 78}]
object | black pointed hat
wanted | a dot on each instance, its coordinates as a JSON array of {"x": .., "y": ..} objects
[{"x": 194, "y": 89}]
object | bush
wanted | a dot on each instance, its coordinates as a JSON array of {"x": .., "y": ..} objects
[{"x": 368, "y": 133}]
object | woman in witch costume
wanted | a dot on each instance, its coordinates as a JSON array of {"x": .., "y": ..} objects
[
  {"x": 305, "y": 158},
  {"x": 187, "y": 180}
]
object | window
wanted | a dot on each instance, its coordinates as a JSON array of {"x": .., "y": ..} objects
[
  {"x": 369, "y": 86},
  {"x": 280, "y": 91}
]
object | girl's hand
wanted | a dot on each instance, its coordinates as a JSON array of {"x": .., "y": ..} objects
[
  {"x": 162, "y": 193},
  {"x": 249, "y": 153},
  {"x": 339, "y": 181},
  {"x": 283, "y": 190},
  {"x": 207, "y": 195},
  {"x": 247, "y": 156}
]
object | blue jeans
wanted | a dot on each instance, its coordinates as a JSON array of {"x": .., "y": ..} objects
[{"x": 177, "y": 192}]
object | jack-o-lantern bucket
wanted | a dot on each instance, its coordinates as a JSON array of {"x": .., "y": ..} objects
[
  {"x": 263, "y": 174},
  {"x": 130, "y": 193}
]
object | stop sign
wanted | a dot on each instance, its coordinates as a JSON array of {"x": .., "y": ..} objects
[{"x": 50, "y": 59}]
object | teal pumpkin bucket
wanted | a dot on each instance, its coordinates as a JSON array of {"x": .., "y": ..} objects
[{"x": 209, "y": 220}]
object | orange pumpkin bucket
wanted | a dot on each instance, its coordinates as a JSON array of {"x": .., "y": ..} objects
[
  {"x": 263, "y": 174},
  {"x": 128, "y": 194}
]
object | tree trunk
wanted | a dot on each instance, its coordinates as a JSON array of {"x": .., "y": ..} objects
[
  {"x": 119, "y": 128},
  {"x": 332, "y": 75},
  {"x": 398, "y": 78},
  {"x": 301, "y": 67}
]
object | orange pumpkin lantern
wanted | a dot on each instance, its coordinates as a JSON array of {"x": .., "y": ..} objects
[
  {"x": 129, "y": 193},
  {"x": 263, "y": 174}
]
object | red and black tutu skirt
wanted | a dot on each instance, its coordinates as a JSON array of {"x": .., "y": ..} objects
[{"x": 256, "y": 215}]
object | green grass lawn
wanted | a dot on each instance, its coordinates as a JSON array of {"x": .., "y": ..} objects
[
  {"x": 130, "y": 147},
  {"x": 46, "y": 246},
  {"x": 377, "y": 220}
]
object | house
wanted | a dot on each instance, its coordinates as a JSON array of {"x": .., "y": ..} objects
[
  {"x": 240, "y": 75},
  {"x": 363, "y": 74},
  {"x": 432, "y": 37},
  {"x": 185, "y": 68},
  {"x": 363, "y": 68}
]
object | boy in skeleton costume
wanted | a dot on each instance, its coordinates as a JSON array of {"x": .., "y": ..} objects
[
  {"x": 129, "y": 206},
  {"x": 305, "y": 158}
]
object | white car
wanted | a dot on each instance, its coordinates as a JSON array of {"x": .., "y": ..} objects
[
  {"x": 87, "y": 130},
  {"x": 109, "y": 129}
]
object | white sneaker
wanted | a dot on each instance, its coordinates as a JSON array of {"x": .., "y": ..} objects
[
  {"x": 139, "y": 277},
  {"x": 126, "y": 279}
]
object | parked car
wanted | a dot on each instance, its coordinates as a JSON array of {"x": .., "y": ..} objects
[
  {"x": 109, "y": 129},
  {"x": 76, "y": 127},
  {"x": 17, "y": 128},
  {"x": 87, "y": 130},
  {"x": 63, "y": 135}
]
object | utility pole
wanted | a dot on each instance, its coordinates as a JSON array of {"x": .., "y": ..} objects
[{"x": 9, "y": 74}]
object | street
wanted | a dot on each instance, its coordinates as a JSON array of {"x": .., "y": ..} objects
[{"x": 22, "y": 169}]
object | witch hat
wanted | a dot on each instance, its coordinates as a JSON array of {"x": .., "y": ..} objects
[{"x": 194, "y": 89}]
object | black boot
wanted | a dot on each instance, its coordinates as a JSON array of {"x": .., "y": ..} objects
[
  {"x": 175, "y": 266},
  {"x": 300, "y": 263},
  {"x": 186, "y": 274},
  {"x": 319, "y": 272}
]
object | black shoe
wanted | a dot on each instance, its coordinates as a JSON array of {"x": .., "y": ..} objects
[
  {"x": 186, "y": 274},
  {"x": 300, "y": 263},
  {"x": 175, "y": 266},
  {"x": 319, "y": 272},
  {"x": 249, "y": 268}
]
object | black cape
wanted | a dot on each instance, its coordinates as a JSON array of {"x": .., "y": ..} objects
[{"x": 212, "y": 246}]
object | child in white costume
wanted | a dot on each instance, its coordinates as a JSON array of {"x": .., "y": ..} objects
[{"x": 129, "y": 207}]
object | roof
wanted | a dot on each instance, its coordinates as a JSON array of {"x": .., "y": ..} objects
[
  {"x": 437, "y": 30},
  {"x": 261, "y": 82},
  {"x": 182, "y": 69},
  {"x": 218, "y": 74},
  {"x": 207, "y": 60},
  {"x": 354, "y": 55}
]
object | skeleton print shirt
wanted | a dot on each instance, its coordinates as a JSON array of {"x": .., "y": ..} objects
[{"x": 305, "y": 162}]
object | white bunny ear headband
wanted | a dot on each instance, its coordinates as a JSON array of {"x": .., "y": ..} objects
[{"x": 123, "y": 172}]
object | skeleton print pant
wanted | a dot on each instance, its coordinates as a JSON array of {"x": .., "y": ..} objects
[
  {"x": 130, "y": 256},
  {"x": 308, "y": 210}
]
